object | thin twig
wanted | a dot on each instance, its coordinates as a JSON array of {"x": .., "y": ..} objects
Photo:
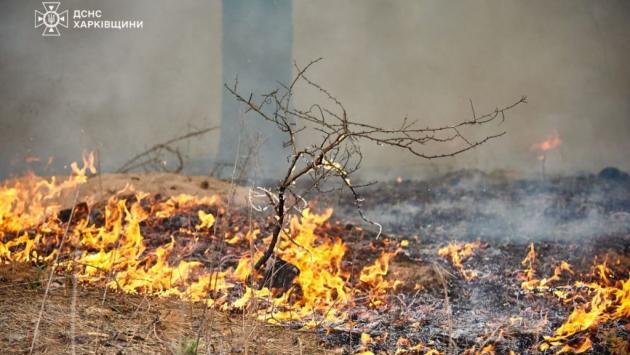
[
  {"x": 338, "y": 153},
  {"x": 141, "y": 160},
  {"x": 52, "y": 271}
]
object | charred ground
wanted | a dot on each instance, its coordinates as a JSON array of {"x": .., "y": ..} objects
[{"x": 583, "y": 220}]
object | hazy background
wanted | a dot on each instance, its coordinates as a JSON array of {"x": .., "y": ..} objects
[{"x": 120, "y": 92}]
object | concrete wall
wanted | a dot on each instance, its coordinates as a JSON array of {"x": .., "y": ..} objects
[
  {"x": 122, "y": 91},
  {"x": 425, "y": 59},
  {"x": 118, "y": 92}
]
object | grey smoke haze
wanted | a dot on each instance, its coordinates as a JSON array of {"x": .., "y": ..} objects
[
  {"x": 122, "y": 91},
  {"x": 118, "y": 92},
  {"x": 477, "y": 206}
]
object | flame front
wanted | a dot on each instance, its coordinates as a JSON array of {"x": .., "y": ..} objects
[
  {"x": 26, "y": 202},
  {"x": 142, "y": 244},
  {"x": 531, "y": 283},
  {"x": 117, "y": 254}
]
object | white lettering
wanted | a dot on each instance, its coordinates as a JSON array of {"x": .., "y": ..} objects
[{"x": 107, "y": 24}]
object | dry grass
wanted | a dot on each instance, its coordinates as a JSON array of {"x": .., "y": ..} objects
[{"x": 127, "y": 324}]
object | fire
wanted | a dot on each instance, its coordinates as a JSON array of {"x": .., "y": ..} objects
[
  {"x": 125, "y": 250},
  {"x": 457, "y": 253},
  {"x": 552, "y": 142},
  {"x": 531, "y": 283},
  {"x": 374, "y": 278},
  {"x": 609, "y": 301},
  {"x": 489, "y": 349},
  {"x": 26, "y": 202},
  {"x": 207, "y": 220},
  {"x": 116, "y": 253},
  {"x": 530, "y": 273}
]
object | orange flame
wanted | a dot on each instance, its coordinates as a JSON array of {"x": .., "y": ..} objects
[
  {"x": 531, "y": 283},
  {"x": 116, "y": 254},
  {"x": 26, "y": 202},
  {"x": 552, "y": 142},
  {"x": 458, "y": 253},
  {"x": 608, "y": 301}
]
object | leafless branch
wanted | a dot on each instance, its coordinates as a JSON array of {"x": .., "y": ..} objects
[
  {"x": 153, "y": 157},
  {"x": 338, "y": 155}
]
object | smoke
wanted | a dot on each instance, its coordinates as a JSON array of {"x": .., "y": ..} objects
[
  {"x": 425, "y": 59},
  {"x": 119, "y": 92},
  {"x": 473, "y": 205}
]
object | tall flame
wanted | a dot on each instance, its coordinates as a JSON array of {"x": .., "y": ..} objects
[
  {"x": 27, "y": 201},
  {"x": 117, "y": 254}
]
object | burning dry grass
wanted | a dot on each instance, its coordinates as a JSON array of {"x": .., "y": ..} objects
[
  {"x": 458, "y": 253},
  {"x": 605, "y": 301},
  {"x": 595, "y": 302},
  {"x": 171, "y": 262},
  {"x": 114, "y": 252},
  {"x": 171, "y": 247}
]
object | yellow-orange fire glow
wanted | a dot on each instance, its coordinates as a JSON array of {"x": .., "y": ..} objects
[
  {"x": 403, "y": 346},
  {"x": 457, "y": 253},
  {"x": 608, "y": 300},
  {"x": 552, "y": 142},
  {"x": 27, "y": 201},
  {"x": 117, "y": 255},
  {"x": 531, "y": 283}
]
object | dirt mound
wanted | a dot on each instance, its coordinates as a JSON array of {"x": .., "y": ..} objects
[{"x": 101, "y": 187}]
